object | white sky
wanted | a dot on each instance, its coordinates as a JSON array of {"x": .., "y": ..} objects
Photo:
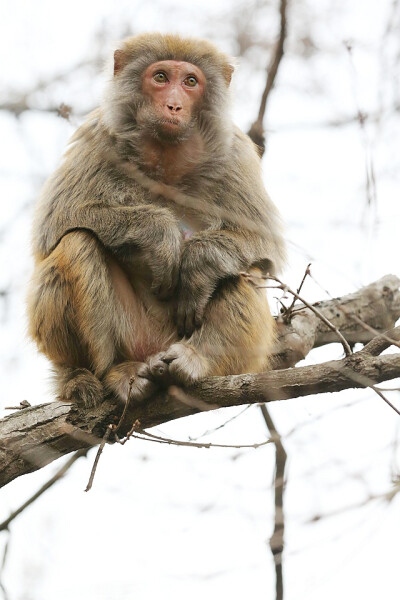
[{"x": 185, "y": 523}]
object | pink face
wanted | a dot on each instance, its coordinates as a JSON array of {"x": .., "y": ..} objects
[{"x": 175, "y": 89}]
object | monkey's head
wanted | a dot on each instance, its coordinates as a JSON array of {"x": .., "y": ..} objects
[{"x": 166, "y": 87}]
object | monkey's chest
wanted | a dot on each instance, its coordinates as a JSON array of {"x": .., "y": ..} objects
[
  {"x": 189, "y": 221},
  {"x": 187, "y": 230}
]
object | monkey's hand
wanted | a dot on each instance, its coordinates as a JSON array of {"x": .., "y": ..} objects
[
  {"x": 195, "y": 290},
  {"x": 160, "y": 241},
  {"x": 207, "y": 258},
  {"x": 163, "y": 262}
]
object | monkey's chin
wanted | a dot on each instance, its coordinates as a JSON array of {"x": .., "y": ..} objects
[{"x": 172, "y": 131}]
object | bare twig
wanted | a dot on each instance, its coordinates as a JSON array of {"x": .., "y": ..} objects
[
  {"x": 110, "y": 428},
  {"x": 379, "y": 393},
  {"x": 288, "y": 311},
  {"x": 221, "y": 426},
  {"x": 21, "y": 406},
  {"x": 286, "y": 288},
  {"x": 96, "y": 460},
  {"x": 164, "y": 440},
  {"x": 276, "y": 541},
  {"x": 256, "y": 132},
  {"x": 3, "y": 564},
  {"x": 370, "y": 179},
  {"x": 385, "y": 496},
  {"x": 56, "y": 477}
]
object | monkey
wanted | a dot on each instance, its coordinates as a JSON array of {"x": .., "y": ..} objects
[{"x": 143, "y": 233}]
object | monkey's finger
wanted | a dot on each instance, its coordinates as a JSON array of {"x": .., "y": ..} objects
[
  {"x": 187, "y": 326},
  {"x": 157, "y": 366}
]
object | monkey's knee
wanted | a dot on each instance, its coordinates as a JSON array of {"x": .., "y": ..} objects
[
  {"x": 238, "y": 331},
  {"x": 69, "y": 304},
  {"x": 50, "y": 314},
  {"x": 79, "y": 386}
]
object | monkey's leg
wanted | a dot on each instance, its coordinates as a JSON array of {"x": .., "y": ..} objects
[
  {"x": 82, "y": 315},
  {"x": 236, "y": 336}
]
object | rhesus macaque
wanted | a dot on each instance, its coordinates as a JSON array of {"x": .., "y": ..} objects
[{"x": 141, "y": 234}]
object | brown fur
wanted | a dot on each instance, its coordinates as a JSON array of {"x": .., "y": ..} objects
[{"x": 119, "y": 294}]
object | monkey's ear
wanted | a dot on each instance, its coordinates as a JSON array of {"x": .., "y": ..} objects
[
  {"x": 120, "y": 60},
  {"x": 228, "y": 71}
]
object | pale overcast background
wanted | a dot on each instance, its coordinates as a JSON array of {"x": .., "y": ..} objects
[{"x": 184, "y": 523}]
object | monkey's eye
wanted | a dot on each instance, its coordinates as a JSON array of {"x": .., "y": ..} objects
[
  {"x": 160, "y": 77},
  {"x": 190, "y": 81}
]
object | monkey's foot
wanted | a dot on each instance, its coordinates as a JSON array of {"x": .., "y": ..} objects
[
  {"x": 181, "y": 363},
  {"x": 82, "y": 387},
  {"x": 128, "y": 380}
]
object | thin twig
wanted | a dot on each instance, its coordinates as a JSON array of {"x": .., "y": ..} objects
[
  {"x": 286, "y": 288},
  {"x": 276, "y": 541},
  {"x": 56, "y": 477},
  {"x": 3, "y": 564},
  {"x": 22, "y": 405},
  {"x": 377, "y": 391},
  {"x": 256, "y": 132},
  {"x": 109, "y": 429},
  {"x": 370, "y": 179},
  {"x": 214, "y": 429},
  {"x": 374, "y": 346},
  {"x": 288, "y": 311},
  {"x": 385, "y": 496},
  {"x": 163, "y": 440}
]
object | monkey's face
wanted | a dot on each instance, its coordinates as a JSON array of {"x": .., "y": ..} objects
[{"x": 173, "y": 92}]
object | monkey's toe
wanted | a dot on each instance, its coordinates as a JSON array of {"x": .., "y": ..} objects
[
  {"x": 129, "y": 381},
  {"x": 83, "y": 388},
  {"x": 157, "y": 367},
  {"x": 185, "y": 364}
]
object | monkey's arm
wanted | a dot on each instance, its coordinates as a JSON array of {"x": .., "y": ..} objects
[
  {"x": 207, "y": 258},
  {"x": 152, "y": 230}
]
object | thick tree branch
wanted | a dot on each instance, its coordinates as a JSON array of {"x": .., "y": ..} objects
[
  {"x": 359, "y": 317},
  {"x": 34, "y": 437}
]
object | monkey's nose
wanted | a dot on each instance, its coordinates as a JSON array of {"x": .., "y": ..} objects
[{"x": 174, "y": 107}]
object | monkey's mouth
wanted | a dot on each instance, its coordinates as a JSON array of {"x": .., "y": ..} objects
[
  {"x": 173, "y": 130},
  {"x": 171, "y": 123}
]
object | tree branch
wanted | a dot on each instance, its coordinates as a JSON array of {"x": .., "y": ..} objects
[
  {"x": 36, "y": 436},
  {"x": 360, "y": 316},
  {"x": 33, "y": 437},
  {"x": 256, "y": 132}
]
